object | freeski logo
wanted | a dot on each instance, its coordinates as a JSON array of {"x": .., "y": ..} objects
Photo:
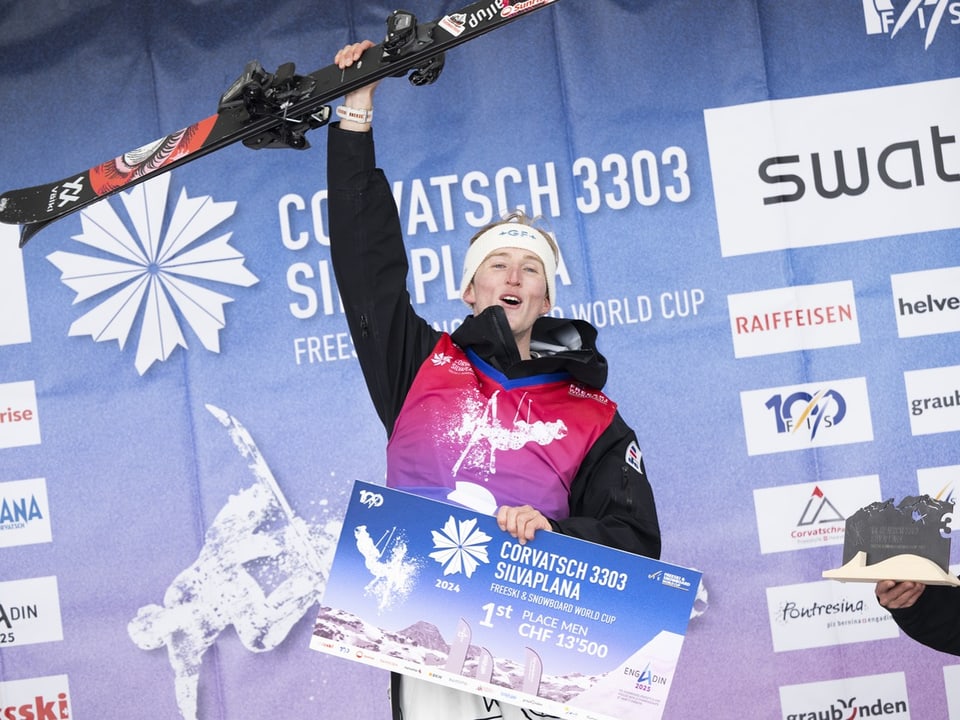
[
  {"x": 150, "y": 279},
  {"x": 881, "y": 18}
]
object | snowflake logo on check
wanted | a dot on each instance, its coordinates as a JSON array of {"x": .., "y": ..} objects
[
  {"x": 460, "y": 546},
  {"x": 147, "y": 274}
]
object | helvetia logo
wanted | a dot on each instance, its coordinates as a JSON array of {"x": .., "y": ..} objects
[
  {"x": 882, "y": 18},
  {"x": 151, "y": 277}
]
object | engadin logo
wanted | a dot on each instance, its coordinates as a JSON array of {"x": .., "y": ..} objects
[
  {"x": 29, "y": 612},
  {"x": 940, "y": 483},
  {"x": 19, "y": 420},
  {"x": 926, "y": 16},
  {"x": 927, "y": 302},
  {"x": 799, "y": 417},
  {"x": 825, "y": 613},
  {"x": 24, "y": 514},
  {"x": 150, "y": 279},
  {"x": 804, "y": 317},
  {"x": 796, "y": 517},
  {"x": 15, "y": 327},
  {"x": 37, "y": 698},
  {"x": 836, "y": 168},
  {"x": 871, "y": 696},
  {"x": 934, "y": 399}
]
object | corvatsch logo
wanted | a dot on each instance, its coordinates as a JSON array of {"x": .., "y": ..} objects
[
  {"x": 819, "y": 510},
  {"x": 882, "y": 18},
  {"x": 150, "y": 278}
]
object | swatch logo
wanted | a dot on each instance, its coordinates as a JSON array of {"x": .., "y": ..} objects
[
  {"x": 844, "y": 167},
  {"x": 15, "y": 327}
]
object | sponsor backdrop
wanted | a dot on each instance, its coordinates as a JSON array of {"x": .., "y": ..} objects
[{"x": 757, "y": 205}]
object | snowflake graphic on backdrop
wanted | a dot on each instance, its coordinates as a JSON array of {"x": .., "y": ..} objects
[
  {"x": 148, "y": 275},
  {"x": 460, "y": 547}
]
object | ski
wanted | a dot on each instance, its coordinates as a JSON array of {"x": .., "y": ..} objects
[{"x": 267, "y": 110}]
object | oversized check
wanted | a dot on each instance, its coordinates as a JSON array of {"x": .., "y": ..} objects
[{"x": 558, "y": 625}]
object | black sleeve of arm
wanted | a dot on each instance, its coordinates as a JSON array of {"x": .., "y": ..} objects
[
  {"x": 370, "y": 265},
  {"x": 611, "y": 502},
  {"x": 934, "y": 620}
]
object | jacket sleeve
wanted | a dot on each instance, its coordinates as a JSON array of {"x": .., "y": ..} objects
[
  {"x": 611, "y": 501},
  {"x": 934, "y": 620},
  {"x": 370, "y": 266}
]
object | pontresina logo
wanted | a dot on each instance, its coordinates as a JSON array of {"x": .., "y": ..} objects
[
  {"x": 39, "y": 698},
  {"x": 24, "y": 513},
  {"x": 926, "y": 17},
  {"x": 155, "y": 276},
  {"x": 15, "y": 327},
  {"x": 800, "y": 417},
  {"x": 870, "y": 696},
  {"x": 933, "y": 397},
  {"x": 927, "y": 302},
  {"x": 29, "y": 612},
  {"x": 804, "y": 317},
  {"x": 19, "y": 418},
  {"x": 796, "y": 517},
  {"x": 836, "y": 168},
  {"x": 824, "y": 613}
]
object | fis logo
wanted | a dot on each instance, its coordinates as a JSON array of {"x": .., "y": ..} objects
[
  {"x": 881, "y": 18},
  {"x": 806, "y": 413},
  {"x": 830, "y": 413}
]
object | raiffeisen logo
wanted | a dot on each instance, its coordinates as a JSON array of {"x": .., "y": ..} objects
[
  {"x": 151, "y": 278},
  {"x": 882, "y": 18}
]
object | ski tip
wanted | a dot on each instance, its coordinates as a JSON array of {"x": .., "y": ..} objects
[{"x": 27, "y": 232}]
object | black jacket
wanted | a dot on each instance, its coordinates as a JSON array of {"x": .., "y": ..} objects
[
  {"x": 934, "y": 619},
  {"x": 610, "y": 502}
]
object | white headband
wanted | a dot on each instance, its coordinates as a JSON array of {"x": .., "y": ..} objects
[{"x": 513, "y": 235}]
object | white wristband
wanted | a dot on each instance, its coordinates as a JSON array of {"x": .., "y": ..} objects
[{"x": 357, "y": 115}]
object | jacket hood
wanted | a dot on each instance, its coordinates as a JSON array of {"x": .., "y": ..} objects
[{"x": 558, "y": 344}]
